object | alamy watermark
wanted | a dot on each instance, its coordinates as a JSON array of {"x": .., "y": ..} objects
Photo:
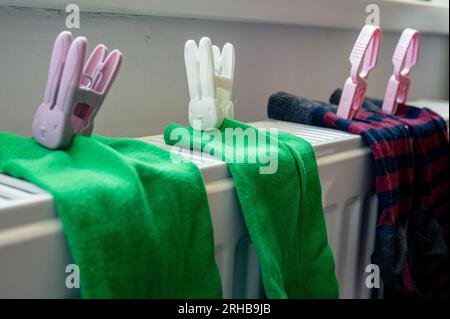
[
  {"x": 233, "y": 145},
  {"x": 373, "y": 279},
  {"x": 73, "y": 277},
  {"x": 73, "y": 17},
  {"x": 373, "y": 17}
]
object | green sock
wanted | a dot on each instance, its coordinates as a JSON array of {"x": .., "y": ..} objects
[
  {"x": 137, "y": 224},
  {"x": 283, "y": 211}
]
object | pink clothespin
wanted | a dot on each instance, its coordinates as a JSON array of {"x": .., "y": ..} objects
[
  {"x": 73, "y": 95},
  {"x": 405, "y": 57},
  {"x": 364, "y": 58}
]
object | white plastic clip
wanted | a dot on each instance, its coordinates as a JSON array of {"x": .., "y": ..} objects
[{"x": 210, "y": 75}]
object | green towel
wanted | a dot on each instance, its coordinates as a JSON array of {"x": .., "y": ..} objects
[
  {"x": 137, "y": 224},
  {"x": 283, "y": 211}
]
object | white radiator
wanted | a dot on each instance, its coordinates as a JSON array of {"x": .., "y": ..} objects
[{"x": 34, "y": 253}]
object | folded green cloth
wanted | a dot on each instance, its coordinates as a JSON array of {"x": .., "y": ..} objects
[
  {"x": 137, "y": 224},
  {"x": 283, "y": 211}
]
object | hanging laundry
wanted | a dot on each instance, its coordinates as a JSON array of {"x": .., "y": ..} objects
[
  {"x": 391, "y": 148},
  {"x": 282, "y": 209},
  {"x": 137, "y": 224},
  {"x": 428, "y": 226}
]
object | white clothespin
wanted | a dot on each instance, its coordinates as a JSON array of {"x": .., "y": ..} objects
[{"x": 210, "y": 75}]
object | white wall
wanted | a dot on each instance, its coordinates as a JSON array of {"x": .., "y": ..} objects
[{"x": 151, "y": 89}]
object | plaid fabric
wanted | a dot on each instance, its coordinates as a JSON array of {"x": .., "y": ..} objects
[
  {"x": 391, "y": 146},
  {"x": 428, "y": 227}
]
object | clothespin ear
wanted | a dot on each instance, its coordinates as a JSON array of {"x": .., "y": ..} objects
[
  {"x": 207, "y": 73},
  {"x": 57, "y": 61},
  {"x": 101, "y": 69},
  {"x": 91, "y": 72},
  {"x": 111, "y": 67},
  {"x": 71, "y": 77},
  {"x": 98, "y": 75},
  {"x": 405, "y": 57},
  {"x": 192, "y": 69},
  {"x": 228, "y": 64},
  {"x": 364, "y": 58},
  {"x": 225, "y": 64}
]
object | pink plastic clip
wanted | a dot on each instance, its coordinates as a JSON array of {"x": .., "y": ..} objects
[
  {"x": 405, "y": 58},
  {"x": 73, "y": 96},
  {"x": 364, "y": 58}
]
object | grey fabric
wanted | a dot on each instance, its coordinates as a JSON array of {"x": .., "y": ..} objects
[{"x": 291, "y": 108}]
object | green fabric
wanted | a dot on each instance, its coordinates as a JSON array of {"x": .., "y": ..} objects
[
  {"x": 137, "y": 224},
  {"x": 283, "y": 211}
]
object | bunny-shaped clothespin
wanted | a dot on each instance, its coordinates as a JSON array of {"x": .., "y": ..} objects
[
  {"x": 210, "y": 75},
  {"x": 73, "y": 95}
]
